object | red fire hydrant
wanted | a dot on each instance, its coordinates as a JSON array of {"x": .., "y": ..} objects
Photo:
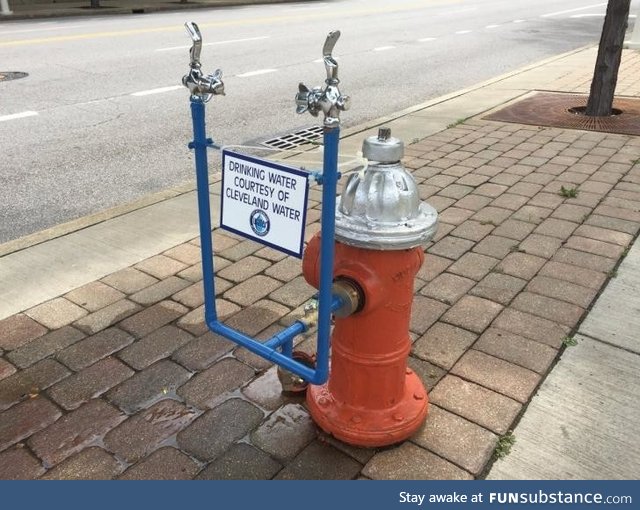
[{"x": 372, "y": 398}]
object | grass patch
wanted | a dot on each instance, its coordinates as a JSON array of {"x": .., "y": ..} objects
[
  {"x": 568, "y": 192},
  {"x": 569, "y": 341},
  {"x": 505, "y": 443},
  {"x": 456, "y": 123}
]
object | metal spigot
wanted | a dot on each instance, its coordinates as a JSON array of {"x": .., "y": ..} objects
[
  {"x": 310, "y": 317},
  {"x": 328, "y": 100},
  {"x": 200, "y": 85}
]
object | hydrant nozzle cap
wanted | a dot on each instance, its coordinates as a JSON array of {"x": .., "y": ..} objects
[{"x": 383, "y": 148}]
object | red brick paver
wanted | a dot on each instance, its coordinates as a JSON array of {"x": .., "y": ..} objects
[
  {"x": 73, "y": 432},
  {"x": 90, "y": 464},
  {"x": 410, "y": 462},
  {"x": 25, "y": 419},
  {"x": 90, "y": 383},
  {"x": 164, "y": 464},
  {"x": 18, "y": 330},
  {"x": 477, "y": 404},
  {"x": 143, "y": 433},
  {"x": 452, "y": 437}
]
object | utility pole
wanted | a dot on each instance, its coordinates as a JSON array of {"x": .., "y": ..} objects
[{"x": 605, "y": 74}]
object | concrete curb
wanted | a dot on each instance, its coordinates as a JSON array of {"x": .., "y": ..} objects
[{"x": 73, "y": 9}]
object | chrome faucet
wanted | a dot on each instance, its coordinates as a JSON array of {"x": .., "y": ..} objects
[
  {"x": 328, "y": 100},
  {"x": 200, "y": 85}
]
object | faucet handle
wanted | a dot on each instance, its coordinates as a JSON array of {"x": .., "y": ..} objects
[
  {"x": 307, "y": 100},
  {"x": 215, "y": 84},
  {"x": 196, "y": 37},
  {"x": 330, "y": 63},
  {"x": 302, "y": 98}
]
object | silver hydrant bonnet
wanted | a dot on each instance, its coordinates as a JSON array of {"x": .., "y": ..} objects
[{"x": 381, "y": 207}]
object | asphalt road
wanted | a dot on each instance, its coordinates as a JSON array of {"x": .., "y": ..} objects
[{"x": 102, "y": 119}]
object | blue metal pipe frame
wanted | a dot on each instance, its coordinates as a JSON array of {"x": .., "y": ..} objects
[{"x": 328, "y": 303}]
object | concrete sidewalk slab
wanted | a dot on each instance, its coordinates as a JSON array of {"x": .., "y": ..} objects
[
  {"x": 617, "y": 320},
  {"x": 581, "y": 423},
  {"x": 34, "y": 275}
]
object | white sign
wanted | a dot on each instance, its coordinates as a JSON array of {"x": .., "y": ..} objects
[{"x": 264, "y": 201}]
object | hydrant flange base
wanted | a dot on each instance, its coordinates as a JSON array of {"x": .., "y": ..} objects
[{"x": 370, "y": 427}]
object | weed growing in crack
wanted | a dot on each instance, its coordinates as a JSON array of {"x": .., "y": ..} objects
[
  {"x": 568, "y": 192},
  {"x": 456, "y": 123},
  {"x": 503, "y": 448}
]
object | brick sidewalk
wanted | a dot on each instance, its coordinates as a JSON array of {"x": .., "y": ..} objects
[{"x": 120, "y": 378}]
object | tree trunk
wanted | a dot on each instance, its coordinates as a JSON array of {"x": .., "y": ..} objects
[{"x": 605, "y": 74}]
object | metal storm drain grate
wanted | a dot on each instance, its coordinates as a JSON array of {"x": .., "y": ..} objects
[
  {"x": 12, "y": 75},
  {"x": 566, "y": 111},
  {"x": 293, "y": 140}
]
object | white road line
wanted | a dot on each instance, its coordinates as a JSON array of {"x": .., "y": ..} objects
[
  {"x": 24, "y": 31},
  {"x": 572, "y": 10},
  {"x": 492, "y": 26},
  {"x": 446, "y": 13},
  {"x": 601, "y": 15},
  {"x": 383, "y": 48},
  {"x": 20, "y": 115},
  {"x": 305, "y": 8},
  {"x": 317, "y": 5},
  {"x": 230, "y": 41},
  {"x": 160, "y": 90},
  {"x": 519, "y": 20},
  {"x": 172, "y": 48},
  {"x": 427, "y": 39},
  {"x": 256, "y": 73},
  {"x": 461, "y": 32}
]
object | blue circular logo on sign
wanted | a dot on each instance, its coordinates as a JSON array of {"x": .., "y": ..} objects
[{"x": 260, "y": 223}]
